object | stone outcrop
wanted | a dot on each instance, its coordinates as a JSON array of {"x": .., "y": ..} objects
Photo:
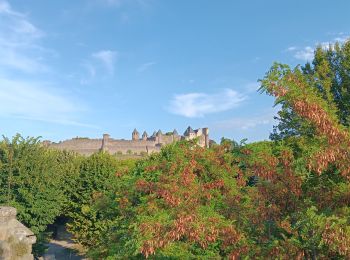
[
  {"x": 146, "y": 144},
  {"x": 16, "y": 240}
]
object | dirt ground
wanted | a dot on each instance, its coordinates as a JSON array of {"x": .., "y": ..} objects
[{"x": 63, "y": 247}]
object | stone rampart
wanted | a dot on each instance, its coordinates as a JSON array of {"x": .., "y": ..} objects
[
  {"x": 146, "y": 144},
  {"x": 80, "y": 145},
  {"x": 131, "y": 146},
  {"x": 15, "y": 239},
  {"x": 168, "y": 139}
]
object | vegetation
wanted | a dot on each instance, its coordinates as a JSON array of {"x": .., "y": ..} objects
[
  {"x": 36, "y": 181},
  {"x": 286, "y": 198},
  {"x": 45, "y": 184},
  {"x": 328, "y": 74}
]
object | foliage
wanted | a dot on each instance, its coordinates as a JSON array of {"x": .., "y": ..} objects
[
  {"x": 44, "y": 184},
  {"x": 96, "y": 180},
  {"x": 329, "y": 76},
  {"x": 35, "y": 181},
  {"x": 283, "y": 199},
  {"x": 173, "y": 203}
]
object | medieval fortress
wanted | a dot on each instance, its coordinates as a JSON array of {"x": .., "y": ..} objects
[{"x": 137, "y": 145}]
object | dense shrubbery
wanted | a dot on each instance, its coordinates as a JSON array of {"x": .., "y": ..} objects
[
  {"x": 44, "y": 184},
  {"x": 252, "y": 200},
  {"x": 36, "y": 181},
  {"x": 287, "y": 198}
]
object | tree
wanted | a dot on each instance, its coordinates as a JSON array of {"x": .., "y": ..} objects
[
  {"x": 35, "y": 180},
  {"x": 329, "y": 75},
  {"x": 320, "y": 173}
]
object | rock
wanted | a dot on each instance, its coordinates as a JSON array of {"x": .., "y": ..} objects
[{"x": 16, "y": 240}]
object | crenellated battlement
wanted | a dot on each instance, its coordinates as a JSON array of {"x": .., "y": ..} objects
[{"x": 137, "y": 145}]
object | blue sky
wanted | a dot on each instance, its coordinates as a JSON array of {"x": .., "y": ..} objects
[{"x": 88, "y": 67}]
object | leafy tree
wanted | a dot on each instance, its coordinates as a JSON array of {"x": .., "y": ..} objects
[
  {"x": 329, "y": 75},
  {"x": 176, "y": 204},
  {"x": 93, "y": 192},
  {"x": 35, "y": 181},
  {"x": 318, "y": 174},
  {"x": 283, "y": 199}
]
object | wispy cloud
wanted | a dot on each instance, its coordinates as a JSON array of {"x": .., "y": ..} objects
[
  {"x": 146, "y": 66},
  {"x": 19, "y": 42},
  {"x": 246, "y": 123},
  {"x": 291, "y": 48},
  {"x": 119, "y": 3},
  {"x": 251, "y": 87},
  {"x": 5, "y": 8},
  {"x": 112, "y": 2},
  {"x": 90, "y": 68},
  {"x": 107, "y": 58},
  {"x": 307, "y": 53},
  {"x": 37, "y": 101},
  {"x": 23, "y": 55},
  {"x": 200, "y": 104}
]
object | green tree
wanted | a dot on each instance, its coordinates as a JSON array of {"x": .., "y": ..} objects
[
  {"x": 89, "y": 199},
  {"x": 35, "y": 180},
  {"x": 329, "y": 74}
]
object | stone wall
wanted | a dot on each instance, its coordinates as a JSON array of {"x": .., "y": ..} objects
[
  {"x": 133, "y": 146},
  {"x": 15, "y": 239},
  {"x": 83, "y": 146},
  {"x": 168, "y": 139},
  {"x": 88, "y": 146}
]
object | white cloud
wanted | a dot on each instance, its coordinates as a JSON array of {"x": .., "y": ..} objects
[
  {"x": 107, "y": 58},
  {"x": 339, "y": 39},
  {"x": 19, "y": 46},
  {"x": 90, "y": 68},
  {"x": 200, "y": 104},
  {"x": 113, "y": 2},
  {"x": 21, "y": 53},
  {"x": 146, "y": 66},
  {"x": 4, "y": 7},
  {"x": 247, "y": 123},
  {"x": 37, "y": 101},
  {"x": 307, "y": 53},
  {"x": 119, "y": 3},
  {"x": 251, "y": 87}
]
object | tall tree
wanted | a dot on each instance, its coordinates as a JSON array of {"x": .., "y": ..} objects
[{"x": 329, "y": 75}]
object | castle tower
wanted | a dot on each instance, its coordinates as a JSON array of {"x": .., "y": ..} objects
[
  {"x": 144, "y": 136},
  {"x": 206, "y": 135},
  {"x": 105, "y": 142},
  {"x": 135, "y": 135},
  {"x": 159, "y": 136},
  {"x": 189, "y": 133},
  {"x": 175, "y": 136}
]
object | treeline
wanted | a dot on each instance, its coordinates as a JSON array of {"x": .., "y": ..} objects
[
  {"x": 288, "y": 198},
  {"x": 45, "y": 184}
]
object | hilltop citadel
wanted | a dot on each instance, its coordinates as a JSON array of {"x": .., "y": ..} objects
[{"x": 137, "y": 145}]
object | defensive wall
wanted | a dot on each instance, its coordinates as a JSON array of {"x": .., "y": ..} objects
[{"x": 137, "y": 145}]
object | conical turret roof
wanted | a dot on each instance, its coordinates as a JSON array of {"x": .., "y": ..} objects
[{"x": 188, "y": 131}]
